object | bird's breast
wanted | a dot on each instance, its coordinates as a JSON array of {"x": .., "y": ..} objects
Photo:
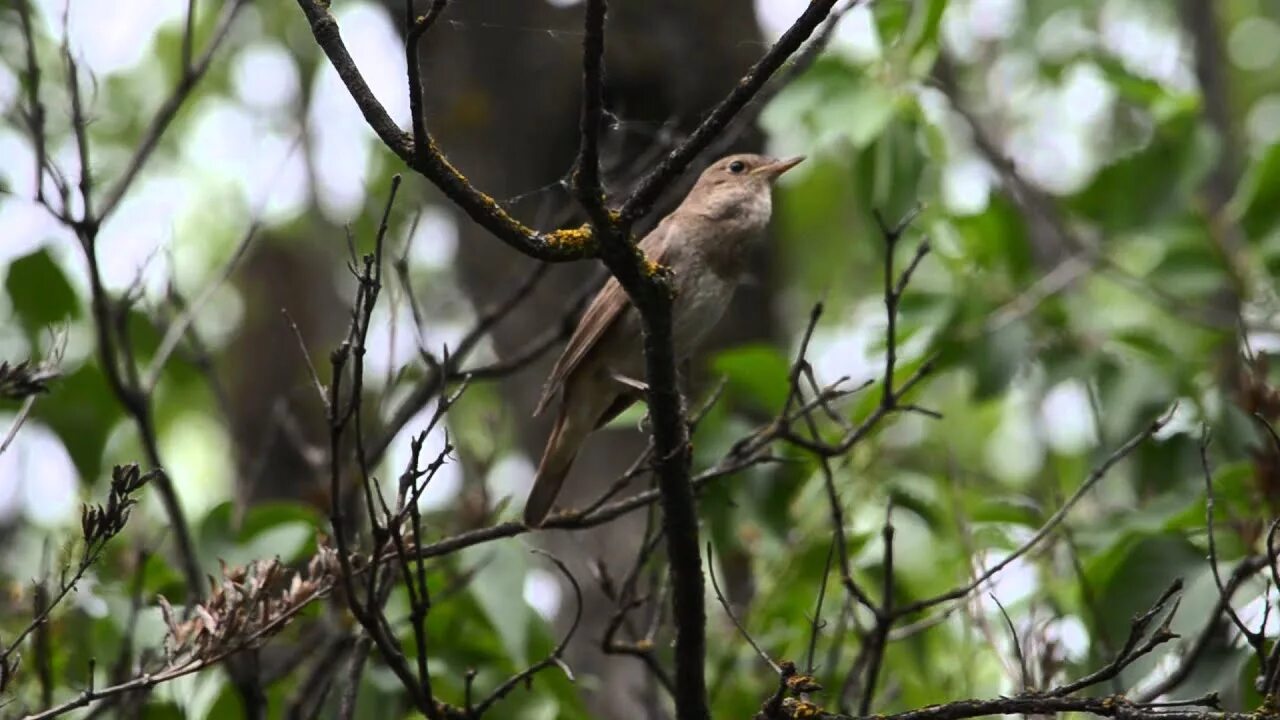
[{"x": 700, "y": 302}]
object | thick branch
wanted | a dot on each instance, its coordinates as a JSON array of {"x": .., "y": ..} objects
[{"x": 1115, "y": 706}]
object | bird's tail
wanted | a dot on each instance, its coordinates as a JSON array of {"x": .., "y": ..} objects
[{"x": 557, "y": 458}]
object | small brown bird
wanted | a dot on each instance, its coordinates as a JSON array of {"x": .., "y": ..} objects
[{"x": 704, "y": 242}]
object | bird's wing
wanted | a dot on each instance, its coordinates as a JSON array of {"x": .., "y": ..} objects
[{"x": 603, "y": 312}]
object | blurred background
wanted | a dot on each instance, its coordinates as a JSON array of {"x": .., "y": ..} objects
[{"x": 1099, "y": 182}]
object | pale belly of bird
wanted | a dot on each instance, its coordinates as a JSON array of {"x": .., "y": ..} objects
[{"x": 699, "y": 304}]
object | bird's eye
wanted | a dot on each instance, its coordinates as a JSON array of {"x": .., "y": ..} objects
[{"x": 737, "y": 166}]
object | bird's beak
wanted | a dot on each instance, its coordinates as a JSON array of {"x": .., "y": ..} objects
[{"x": 777, "y": 167}]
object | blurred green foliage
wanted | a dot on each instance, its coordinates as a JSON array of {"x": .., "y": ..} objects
[{"x": 1063, "y": 319}]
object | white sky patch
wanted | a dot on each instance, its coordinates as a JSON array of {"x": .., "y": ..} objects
[
  {"x": 110, "y": 37},
  {"x": 954, "y": 31},
  {"x": 1144, "y": 44},
  {"x": 775, "y": 16},
  {"x": 435, "y": 239},
  {"x": 1012, "y": 79},
  {"x": 837, "y": 352},
  {"x": 18, "y": 171},
  {"x": 994, "y": 19},
  {"x": 1085, "y": 95},
  {"x": 340, "y": 145},
  {"x": 1063, "y": 35},
  {"x": 10, "y": 476},
  {"x": 341, "y": 138},
  {"x": 1185, "y": 419},
  {"x": 1016, "y": 582},
  {"x": 966, "y": 185},
  {"x": 220, "y": 317},
  {"x": 1058, "y": 161},
  {"x": 241, "y": 149},
  {"x": 217, "y": 140},
  {"x": 1261, "y": 606},
  {"x": 856, "y": 36},
  {"x": 265, "y": 77},
  {"x": 856, "y": 349},
  {"x": 87, "y": 599},
  {"x": 8, "y": 88},
  {"x": 1070, "y": 634},
  {"x": 392, "y": 341},
  {"x": 542, "y": 592},
  {"x": 37, "y": 477},
  {"x": 135, "y": 238},
  {"x": 444, "y": 487},
  {"x": 27, "y": 227},
  {"x": 1013, "y": 452},
  {"x": 1066, "y": 418},
  {"x": 510, "y": 477}
]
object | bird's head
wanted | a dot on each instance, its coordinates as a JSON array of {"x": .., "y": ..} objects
[{"x": 737, "y": 188}]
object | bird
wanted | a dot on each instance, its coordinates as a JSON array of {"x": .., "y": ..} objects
[{"x": 705, "y": 243}]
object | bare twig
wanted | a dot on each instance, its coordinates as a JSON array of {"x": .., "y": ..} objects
[
  {"x": 736, "y": 623},
  {"x": 178, "y": 328},
  {"x": 98, "y": 525},
  {"x": 1054, "y": 520},
  {"x": 554, "y": 659},
  {"x": 417, "y": 27},
  {"x": 192, "y": 73},
  {"x": 879, "y": 640},
  {"x": 1132, "y": 650},
  {"x": 817, "y": 624},
  {"x": 1256, "y": 640}
]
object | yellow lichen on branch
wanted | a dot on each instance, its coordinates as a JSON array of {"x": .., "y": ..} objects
[{"x": 577, "y": 238}]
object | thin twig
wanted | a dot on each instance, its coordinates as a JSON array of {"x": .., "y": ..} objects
[
  {"x": 711, "y": 570},
  {"x": 557, "y": 653},
  {"x": 885, "y": 617},
  {"x": 816, "y": 624},
  {"x": 1256, "y": 640},
  {"x": 1054, "y": 520},
  {"x": 191, "y": 76}
]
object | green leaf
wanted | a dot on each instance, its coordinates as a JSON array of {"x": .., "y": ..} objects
[
  {"x": 996, "y": 240},
  {"x": 997, "y": 357},
  {"x": 271, "y": 532},
  {"x": 832, "y": 100},
  {"x": 926, "y": 18},
  {"x": 499, "y": 589},
  {"x": 757, "y": 372},
  {"x": 1144, "y": 91},
  {"x": 1014, "y": 510},
  {"x": 1257, "y": 202},
  {"x": 40, "y": 292},
  {"x": 81, "y": 410},
  {"x": 1131, "y": 575},
  {"x": 267, "y": 515},
  {"x": 1154, "y": 182}
]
